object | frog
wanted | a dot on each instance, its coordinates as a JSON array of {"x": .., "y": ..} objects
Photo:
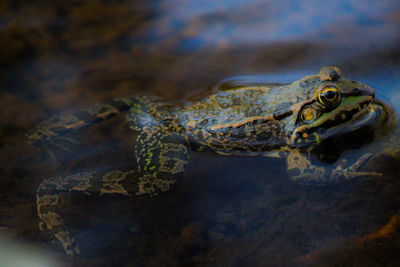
[{"x": 286, "y": 121}]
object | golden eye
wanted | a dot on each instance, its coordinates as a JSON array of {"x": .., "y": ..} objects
[
  {"x": 329, "y": 96},
  {"x": 308, "y": 114}
]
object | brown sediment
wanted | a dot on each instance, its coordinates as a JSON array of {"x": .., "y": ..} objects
[{"x": 388, "y": 230}]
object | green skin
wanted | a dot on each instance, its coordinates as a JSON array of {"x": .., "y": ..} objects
[{"x": 264, "y": 120}]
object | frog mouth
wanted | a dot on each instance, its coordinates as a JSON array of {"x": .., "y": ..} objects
[{"x": 350, "y": 117}]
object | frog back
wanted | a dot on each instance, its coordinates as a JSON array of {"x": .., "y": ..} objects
[{"x": 244, "y": 118}]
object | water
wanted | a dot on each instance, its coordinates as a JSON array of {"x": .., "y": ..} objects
[{"x": 230, "y": 211}]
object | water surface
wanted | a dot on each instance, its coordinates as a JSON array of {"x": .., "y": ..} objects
[{"x": 231, "y": 211}]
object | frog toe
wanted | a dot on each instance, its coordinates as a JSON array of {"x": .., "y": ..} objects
[
  {"x": 302, "y": 171},
  {"x": 353, "y": 175},
  {"x": 353, "y": 172},
  {"x": 360, "y": 162}
]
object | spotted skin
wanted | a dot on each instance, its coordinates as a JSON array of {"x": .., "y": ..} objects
[
  {"x": 273, "y": 120},
  {"x": 53, "y": 134},
  {"x": 91, "y": 183},
  {"x": 163, "y": 156}
]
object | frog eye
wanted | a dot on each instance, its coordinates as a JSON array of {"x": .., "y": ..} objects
[
  {"x": 308, "y": 114},
  {"x": 329, "y": 96}
]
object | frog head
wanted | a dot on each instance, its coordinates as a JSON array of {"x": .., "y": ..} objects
[{"x": 336, "y": 105}]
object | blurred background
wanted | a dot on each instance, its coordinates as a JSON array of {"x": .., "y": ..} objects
[{"x": 58, "y": 56}]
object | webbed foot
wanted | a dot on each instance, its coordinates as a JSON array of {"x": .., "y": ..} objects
[
  {"x": 115, "y": 182},
  {"x": 302, "y": 171},
  {"x": 351, "y": 172},
  {"x": 57, "y": 134},
  {"x": 48, "y": 137}
]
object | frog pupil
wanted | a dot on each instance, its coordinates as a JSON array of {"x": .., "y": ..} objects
[{"x": 330, "y": 95}]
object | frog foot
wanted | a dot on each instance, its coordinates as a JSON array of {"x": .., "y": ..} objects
[
  {"x": 101, "y": 182},
  {"x": 303, "y": 171},
  {"x": 351, "y": 172},
  {"x": 50, "y": 220},
  {"x": 50, "y": 142},
  {"x": 63, "y": 238}
]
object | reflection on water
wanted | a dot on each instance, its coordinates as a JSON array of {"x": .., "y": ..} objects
[
  {"x": 256, "y": 22},
  {"x": 60, "y": 56}
]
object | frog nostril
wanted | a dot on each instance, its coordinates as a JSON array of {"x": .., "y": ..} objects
[
  {"x": 334, "y": 75},
  {"x": 356, "y": 91}
]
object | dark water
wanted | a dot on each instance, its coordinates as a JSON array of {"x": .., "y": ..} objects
[{"x": 60, "y": 56}]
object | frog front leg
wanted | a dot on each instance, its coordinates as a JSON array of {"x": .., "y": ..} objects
[{"x": 302, "y": 171}]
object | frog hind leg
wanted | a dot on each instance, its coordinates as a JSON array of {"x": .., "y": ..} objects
[
  {"x": 57, "y": 134},
  {"x": 148, "y": 112},
  {"x": 162, "y": 151},
  {"x": 161, "y": 158},
  {"x": 302, "y": 171},
  {"x": 116, "y": 182}
]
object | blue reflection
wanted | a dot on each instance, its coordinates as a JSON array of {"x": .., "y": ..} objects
[{"x": 209, "y": 23}]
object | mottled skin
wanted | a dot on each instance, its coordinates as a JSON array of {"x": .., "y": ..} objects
[{"x": 285, "y": 121}]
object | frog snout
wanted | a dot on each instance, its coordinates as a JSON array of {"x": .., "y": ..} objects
[{"x": 363, "y": 90}]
